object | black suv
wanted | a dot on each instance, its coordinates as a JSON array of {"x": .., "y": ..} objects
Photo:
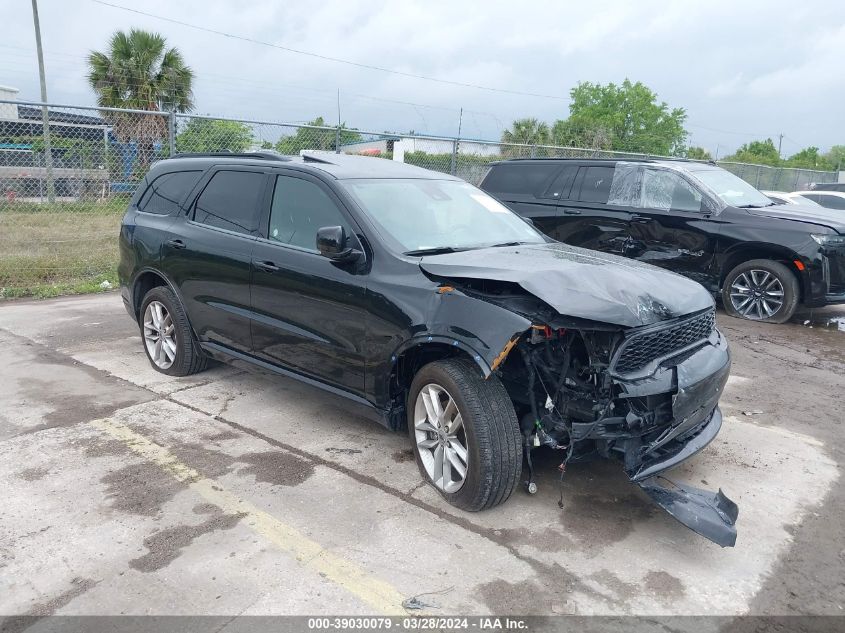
[
  {"x": 693, "y": 218},
  {"x": 431, "y": 306}
]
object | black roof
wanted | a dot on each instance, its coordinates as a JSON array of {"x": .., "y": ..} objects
[
  {"x": 627, "y": 159},
  {"x": 339, "y": 166}
]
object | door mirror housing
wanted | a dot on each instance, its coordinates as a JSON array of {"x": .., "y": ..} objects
[{"x": 331, "y": 242}]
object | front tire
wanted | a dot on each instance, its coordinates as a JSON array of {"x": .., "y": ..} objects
[
  {"x": 761, "y": 290},
  {"x": 166, "y": 335},
  {"x": 465, "y": 434}
]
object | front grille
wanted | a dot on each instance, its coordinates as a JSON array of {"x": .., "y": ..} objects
[{"x": 638, "y": 350}]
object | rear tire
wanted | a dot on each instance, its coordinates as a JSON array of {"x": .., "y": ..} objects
[
  {"x": 166, "y": 335},
  {"x": 761, "y": 290},
  {"x": 488, "y": 434}
]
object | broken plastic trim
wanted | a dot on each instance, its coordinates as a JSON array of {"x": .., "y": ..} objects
[{"x": 712, "y": 515}]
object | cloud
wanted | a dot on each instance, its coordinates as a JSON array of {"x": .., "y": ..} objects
[
  {"x": 728, "y": 87},
  {"x": 724, "y": 61}
]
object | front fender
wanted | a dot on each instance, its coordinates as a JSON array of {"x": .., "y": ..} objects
[{"x": 483, "y": 330}]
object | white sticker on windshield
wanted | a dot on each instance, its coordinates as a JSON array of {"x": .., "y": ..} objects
[{"x": 488, "y": 203}]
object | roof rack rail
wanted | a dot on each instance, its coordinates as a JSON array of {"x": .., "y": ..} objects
[
  {"x": 314, "y": 158},
  {"x": 617, "y": 159},
  {"x": 262, "y": 155}
]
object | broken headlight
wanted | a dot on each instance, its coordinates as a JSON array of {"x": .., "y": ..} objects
[{"x": 829, "y": 240}]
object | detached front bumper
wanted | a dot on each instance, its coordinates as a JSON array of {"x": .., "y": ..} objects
[{"x": 696, "y": 421}]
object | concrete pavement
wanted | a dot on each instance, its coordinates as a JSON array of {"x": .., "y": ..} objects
[{"x": 228, "y": 492}]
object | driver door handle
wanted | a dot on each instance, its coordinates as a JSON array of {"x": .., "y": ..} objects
[
  {"x": 176, "y": 243},
  {"x": 640, "y": 219},
  {"x": 267, "y": 266},
  {"x": 572, "y": 212}
]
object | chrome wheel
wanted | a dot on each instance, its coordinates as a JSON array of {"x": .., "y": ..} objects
[
  {"x": 757, "y": 294},
  {"x": 159, "y": 335},
  {"x": 441, "y": 438}
]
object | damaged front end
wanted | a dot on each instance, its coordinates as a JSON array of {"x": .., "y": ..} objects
[
  {"x": 647, "y": 397},
  {"x": 623, "y": 361}
]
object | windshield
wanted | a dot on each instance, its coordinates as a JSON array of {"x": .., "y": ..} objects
[
  {"x": 432, "y": 215},
  {"x": 731, "y": 189}
]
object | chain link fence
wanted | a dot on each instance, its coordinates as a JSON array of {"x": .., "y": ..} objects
[{"x": 63, "y": 190}]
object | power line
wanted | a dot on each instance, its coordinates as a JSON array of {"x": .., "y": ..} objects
[{"x": 331, "y": 59}]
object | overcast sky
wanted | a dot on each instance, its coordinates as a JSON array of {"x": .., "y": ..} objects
[{"x": 742, "y": 70}]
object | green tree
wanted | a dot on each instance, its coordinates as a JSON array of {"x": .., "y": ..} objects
[
  {"x": 836, "y": 157},
  {"x": 214, "y": 135},
  {"x": 698, "y": 153},
  {"x": 140, "y": 72},
  {"x": 320, "y": 139},
  {"x": 528, "y": 131},
  {"x": 626, "y": 117},
  {"x": 756, "y": 152},
  {"x": 809, "y": 158}
]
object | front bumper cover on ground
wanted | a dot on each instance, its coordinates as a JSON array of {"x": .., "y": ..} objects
[{"x": 712, "y": 515}]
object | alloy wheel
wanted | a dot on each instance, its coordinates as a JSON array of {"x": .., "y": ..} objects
[
  {"x": 159, "y": 335},
  {"x": 441, "y": 438},
  {"x": 757, "y": 294}
]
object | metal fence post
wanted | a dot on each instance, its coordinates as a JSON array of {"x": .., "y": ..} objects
[
  {"x": 533, "y": 151},
  {"x": 454, "y": 166},
  {"x": 757, "y": 180},
  {"x": 171, "y": 132},
  {"x": 337, "y": 140}
]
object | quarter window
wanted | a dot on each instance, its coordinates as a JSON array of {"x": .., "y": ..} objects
[
  {"x": 516, "y": 178},
  {"x": 165, "y": 193},
  {"x": 300, "y": 207},
  {"x": 230, "y": 201}
]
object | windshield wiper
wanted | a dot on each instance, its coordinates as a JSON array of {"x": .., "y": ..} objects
[
  {"x": 756, "y": 206},
  {"x": 434, "y": 250},
  {"x": 508, "y": 244}
]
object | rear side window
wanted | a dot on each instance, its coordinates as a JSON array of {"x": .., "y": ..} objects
[
  {"x": 165, "y": 193},
  {"x": 595, "y": 186},
  {"x": 559, "y": 189},
  {"x": 516, "y": 178},
  {"x": 230, "y": 201}
]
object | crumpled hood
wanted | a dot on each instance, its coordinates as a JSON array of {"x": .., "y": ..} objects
[
  {"x": 822, "y": 216},
  {"x": 580, "y": 283}
]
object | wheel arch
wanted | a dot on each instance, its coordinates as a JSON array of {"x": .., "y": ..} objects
[
  {"x": 146, "y": 280},
  {"x": 413, "y": 354},
  {"x": 750, "y": 251}
]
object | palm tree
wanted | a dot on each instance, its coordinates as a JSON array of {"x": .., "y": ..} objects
[
  {"x": 528, "y": 131},
  {"x": 139, "y": 72}
]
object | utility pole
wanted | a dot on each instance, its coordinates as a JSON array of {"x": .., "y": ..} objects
[
  {"x": 45, "y": 115},
  {"x": 780, "y": 141},
  {"x": 460, "y": 122}
]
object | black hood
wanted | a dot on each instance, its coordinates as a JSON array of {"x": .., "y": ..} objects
[
  {"x": 821, "y": 216},
  {"x": 580, "y": 283}
]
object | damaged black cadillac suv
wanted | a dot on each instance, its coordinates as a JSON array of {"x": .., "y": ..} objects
[
  {"x": 432, "y": 307},
  {"x": 761, "y": 259}
]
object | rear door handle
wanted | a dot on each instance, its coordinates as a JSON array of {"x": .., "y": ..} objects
[
  {"x": 640, "y": 219},
  {"x": 572, "y": 211},
  {"x": 176, "y": 243},
  {"x": 266, "y": 266}
]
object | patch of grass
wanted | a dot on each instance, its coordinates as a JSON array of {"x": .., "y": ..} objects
[{"x": 51, "y": 250}]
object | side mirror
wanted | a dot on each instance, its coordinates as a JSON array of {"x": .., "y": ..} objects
[{"x": 331, "y": 242}]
